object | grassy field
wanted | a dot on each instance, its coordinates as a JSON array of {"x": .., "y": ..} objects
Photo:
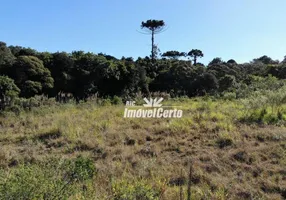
[{"x": 235, "y": 150}]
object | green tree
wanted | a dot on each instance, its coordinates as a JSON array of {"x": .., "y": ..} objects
[
  {"x": 173, "y": 54},
  {"x": 265, "y": 60},
  {"x": 153, "y": 27},
  {"x": 216, "y": 61},
  {"x": 284, "y": 60},
  {"x": 179, "y": 75},
  {"x": 206, "y": 83},
  {"x": 232, "y": 62},
  {"x": 8, "y": 91},
  {"x": 61, "y": 65},
  {"x": 226, "y": 82},
  {"x": 196, "y": 53},
  {"x": 6, "y": 58},
  {"x": 31, "y": 76},
  {"x": 22, "y": 51}
]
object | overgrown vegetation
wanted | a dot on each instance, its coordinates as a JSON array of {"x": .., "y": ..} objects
[
  {"x": 89, "y": 151},
  {"x": 81, "y": 75}
]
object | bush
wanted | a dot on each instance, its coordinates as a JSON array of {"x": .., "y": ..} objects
[
  {"x": 259, "y": 85},
  {"x": 116, "y": 100},
  {"x": 15, "y": 109},
  {"x": 124, "y": 190},
  {"x": 20, "y": 104},
  {"x": 229, "y": 96},
  {"x": 81, "y": 169},
  {"x": 105, "y": 102},
  {"x": 8, "y": 91}
]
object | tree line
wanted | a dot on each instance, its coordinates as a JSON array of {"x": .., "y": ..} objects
[{"x": 25, "y": 72}]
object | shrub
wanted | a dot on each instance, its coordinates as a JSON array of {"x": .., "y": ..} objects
[
  {"x": 8, "y": 91},
  {"x": 105, "y": 102},
  {"x": 20, "y": 104},
  {"x": 124, "y": 190},
  {"x": 81, "y": 169},
  {"x": 229, "y": 96},
  {"x": 116, "y": 100}
]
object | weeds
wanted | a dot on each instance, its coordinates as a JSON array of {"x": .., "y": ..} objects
[{"x": 104, "y": 156}]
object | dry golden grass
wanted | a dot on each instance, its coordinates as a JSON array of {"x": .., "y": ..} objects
[{"x": 231, "y": 159}]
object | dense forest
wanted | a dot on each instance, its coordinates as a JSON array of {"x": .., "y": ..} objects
[{"x": 26, "y": 72}]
